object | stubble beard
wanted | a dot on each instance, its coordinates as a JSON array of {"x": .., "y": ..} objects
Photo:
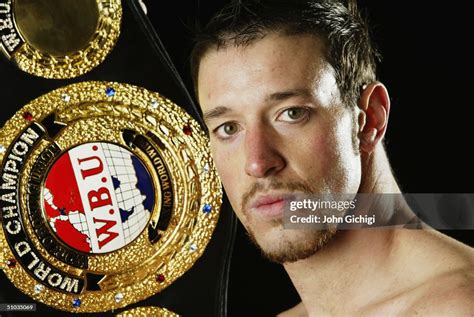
[
  {"x": 288, "y": 251},
  {"x": 291, "y": 245}
]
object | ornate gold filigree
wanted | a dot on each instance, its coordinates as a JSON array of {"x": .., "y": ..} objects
[
  {"x": 142, "y": 268},
  {"x": 40, "y": 63},
  {"x": 147, "y": 311}
]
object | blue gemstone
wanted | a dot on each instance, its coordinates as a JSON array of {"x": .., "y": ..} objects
[
  {"x": 110, "y": 92},
  {"x": 76, "y": 302},
  {"x": 207, "y": 208}
]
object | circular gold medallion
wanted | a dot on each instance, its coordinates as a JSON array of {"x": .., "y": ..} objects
[
  {"x": 107, "y": 195},
  {"x": 59, "y": 38}
]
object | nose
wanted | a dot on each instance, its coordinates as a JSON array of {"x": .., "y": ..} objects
[{"x": 263, "y": 158}]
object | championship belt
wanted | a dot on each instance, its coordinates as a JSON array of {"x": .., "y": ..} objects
[
  {"x": 109, "y": 199},
  {"x": 58, "y": 39}
]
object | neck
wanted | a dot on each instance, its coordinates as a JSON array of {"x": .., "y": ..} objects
[
  {"x": 378, "y": 176},
  {"x": 345, "y": 275}
]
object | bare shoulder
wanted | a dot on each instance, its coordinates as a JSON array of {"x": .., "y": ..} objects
[
  {"x": 297, "y": 311},
  {"x": 440, "y": 276},
  {"x": 428, "y": 254},
  {"x": 451, "y": 294}
]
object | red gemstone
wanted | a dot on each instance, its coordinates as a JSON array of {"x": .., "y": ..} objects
[
  {"x": 160, "y": 278},
  {"x": 187, "y": 130},
  {"x": 27, "y": 116},
  {"x": 11, "y": 263}
]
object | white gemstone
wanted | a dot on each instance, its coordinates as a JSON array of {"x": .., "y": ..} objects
[
  {"x": 118, "y": 297},
  {"x": 205, "y": 169},
  {"x": 39, "y": 288},
  {"x": 2, "y": 149},
  {"x": 66, "y": 97},
  {"x": 154, "y": 104},
  {"x": 193, "y": 247}
]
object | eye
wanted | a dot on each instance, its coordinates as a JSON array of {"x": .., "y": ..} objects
[
  {"x": 226, "y": 130},
  {"x": 294, "y": 114}
]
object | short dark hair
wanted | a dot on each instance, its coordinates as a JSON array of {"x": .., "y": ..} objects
[{"x": 344, "y": 32}]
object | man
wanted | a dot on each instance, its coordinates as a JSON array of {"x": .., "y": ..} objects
[{"x": 292, "y": 104}]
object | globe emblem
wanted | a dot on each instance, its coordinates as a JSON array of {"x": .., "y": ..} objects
[{"x": 98, "y": 197}]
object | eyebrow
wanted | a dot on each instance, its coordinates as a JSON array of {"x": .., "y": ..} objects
[
  {"x": 283, "y": 95},
  {"x": 277, "y": 96},
  {"x": 216, "y": 112}
]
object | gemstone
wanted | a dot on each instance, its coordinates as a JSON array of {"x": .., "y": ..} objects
[
  {"x": 154, "y": 104},
  {"x": 2, "y": 149},
  {"x": 11, "y": 263},
  {"x": 207, "y": 208},
  {"x": 205, "y": 169},
  {"x": 66, "y": 97},
  {"x": 118, "y": 297},
  {"x": 160, "y": 278},
  {"x": 193, "y": 247},
  {"x": 27, "y": 116},
  {"x": 187, "y": 130},
  {"x": 38, "y": 288},
  {"x": 110, "y": 92},
  {"x": 76, "y": 302}
]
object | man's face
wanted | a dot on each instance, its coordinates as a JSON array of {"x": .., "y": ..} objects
[{"x": 278, "y": 130}]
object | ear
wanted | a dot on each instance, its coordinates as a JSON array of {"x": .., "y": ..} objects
[{"x": 374, "y": 104}]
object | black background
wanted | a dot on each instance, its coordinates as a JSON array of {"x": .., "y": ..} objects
[{"x": 427, "y": 69}]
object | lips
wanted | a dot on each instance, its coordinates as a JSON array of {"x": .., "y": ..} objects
[{"x": 268, "y": 205}]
